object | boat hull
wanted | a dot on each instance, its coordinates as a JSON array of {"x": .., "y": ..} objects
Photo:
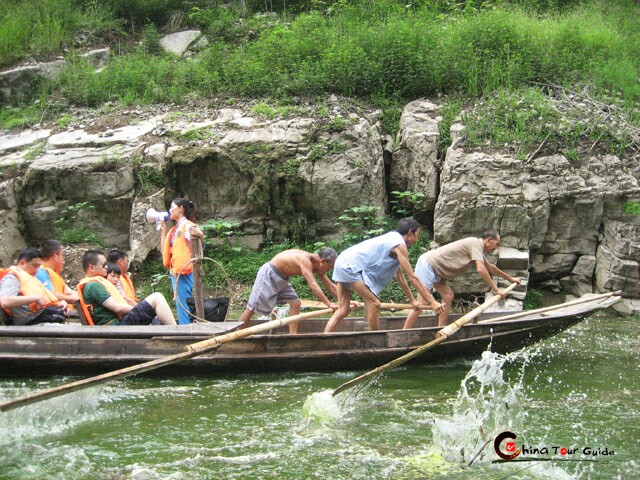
[{"x": 73, "y": 349}]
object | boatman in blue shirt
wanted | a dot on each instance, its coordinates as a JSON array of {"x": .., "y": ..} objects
[{"x": 370, "y": 265}]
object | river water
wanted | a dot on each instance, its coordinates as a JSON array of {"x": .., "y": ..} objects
[{"x": 579, "y": 390}]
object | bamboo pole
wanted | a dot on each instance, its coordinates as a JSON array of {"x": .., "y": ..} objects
[
  {"x": 441, "y": 336},
  {"x": 192, "y": 350},
  {"x": 526, "y": 313}
]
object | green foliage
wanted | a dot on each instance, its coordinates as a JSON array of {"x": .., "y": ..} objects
[
  {"x": 149, "y": 177},
  {"x": 193, "y": 135},
  {"x": 533, "y": 299},
  {"x": 221, "y": 228},
  {"x": 66, "y": 229},
  {"x": 154, "y": 278},
  {"x": 137, "y": 78},
  {"x": 391, "y": 112},
  {"x": 278, "y": 111},
  {"x": 40, "y": 28},
  {"x": 63, "y": 121},
  {"x": 632, "y": 208},
  {"x": 150, "y": 42},
  {"x": 527, "y": 120},
  {"x": 142, "y": 12},
  {"x": 258, "y": 148},
  {"x": 11, "y": 117},
  {"x": 362, "y": 222},
  {"x": 291, "y": 166},
  {"x": 408, "y": 204},
  {"x": 36, "y": 150},
  {"x": 337, "y": 125},
  {"x": 384, "y": 51}
]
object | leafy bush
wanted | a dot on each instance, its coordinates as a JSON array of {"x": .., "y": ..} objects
[
  {"x": 149, "y": 177},
  {"x": 40, "y": 28},
  {"x": 66, "y": 229},
  {"x": 533, "y": 299},
  {"x": 362, "y": 222},
  {"x": 632, "y": 208}
]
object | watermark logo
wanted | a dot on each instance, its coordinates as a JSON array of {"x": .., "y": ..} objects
[
  {"x": 510, "y": 451},
  {"x": 507, "y": 449}
]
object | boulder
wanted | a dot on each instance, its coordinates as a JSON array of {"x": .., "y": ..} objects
[
  {"x": 279, "y": 178},
  {"x": 10, "y": 234},
  {"x": 143, "y": 236},
  {"x": 415, "y": 161},
  {"x": 580, "y": 281},
  {"x": 18, "y": 81},
  {"x": 179, "y": 42}
]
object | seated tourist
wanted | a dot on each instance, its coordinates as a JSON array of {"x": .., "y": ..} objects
[
  {"x": 114, "y": 275},
  {"x": 49, "y": 273},
  {"x": 120, "y": 258},
  {"x": 107, "y": 306},
  {"x": 24, "y": 298}
]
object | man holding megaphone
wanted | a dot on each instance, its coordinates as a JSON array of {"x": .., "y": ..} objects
[{"x": 177, "y": 250}]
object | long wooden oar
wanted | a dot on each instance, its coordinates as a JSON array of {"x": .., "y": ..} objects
[
  {"x": 192, "y": 350},
  {"x": 441, "y": 336},
  {"x": 526, "y": 313}
]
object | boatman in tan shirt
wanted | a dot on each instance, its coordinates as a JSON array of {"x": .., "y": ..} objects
[{"x": 436, "y": 267}]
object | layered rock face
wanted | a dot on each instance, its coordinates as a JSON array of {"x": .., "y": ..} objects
[
  {"x": 278, "y": 178},
  {"x": 561, "y": 222},
  {"x": 569, "y": 217}
]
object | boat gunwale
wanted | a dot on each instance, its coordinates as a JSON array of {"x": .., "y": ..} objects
[{"x": 153, "y": 332}]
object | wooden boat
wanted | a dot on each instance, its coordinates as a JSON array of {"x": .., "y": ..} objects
[{"x": 61, "y": 349}]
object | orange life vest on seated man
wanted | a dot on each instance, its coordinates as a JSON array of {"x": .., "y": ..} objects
[
  {"x": 57, "y": 281},
  {"x": 30, "y": 285},
  {"x": 176, "y": 256},
  {"x": 127, "y": 286},
  {"x": 108, "y": 286}
]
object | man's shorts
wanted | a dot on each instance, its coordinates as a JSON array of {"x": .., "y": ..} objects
[
  {"x": 271, "y": 287},
  {"x": 425, "y": 273},
  {"x": 141, "y": 314},
  {"x": 346, "y": 274}
]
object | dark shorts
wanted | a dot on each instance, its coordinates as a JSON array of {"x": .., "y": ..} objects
[{"x": 142, "y": 314}]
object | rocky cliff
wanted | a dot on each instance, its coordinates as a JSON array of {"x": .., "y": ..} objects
[{"x": 562, "y": 222}]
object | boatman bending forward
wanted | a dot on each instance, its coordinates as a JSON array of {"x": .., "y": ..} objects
[
  {"x": 272, "y": 282},
  {"x": 368, "y": 266},
  {"x": 436, "y": 267}
]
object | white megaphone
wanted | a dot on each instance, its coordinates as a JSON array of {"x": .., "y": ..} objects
[{"x": 153, "y": 216}]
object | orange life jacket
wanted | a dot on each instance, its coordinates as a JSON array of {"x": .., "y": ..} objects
[
  {"x": 111, "y": 289},
  {"x": 30, "y": 285},
  {"x": 58, "y": 282},
  {"x": 176, "y": 257},
  {"x": 127, "y": 286}
]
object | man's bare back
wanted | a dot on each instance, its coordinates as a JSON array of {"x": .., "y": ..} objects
[{"x": 290, "y": 262}]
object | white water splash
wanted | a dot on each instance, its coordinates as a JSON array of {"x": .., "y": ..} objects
[
  {"x": 49, "y": 417},
  {"x": 486, "y": 405},
  {"x": 322, "y": 408},
  {"x": 281, "y": 312}
]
